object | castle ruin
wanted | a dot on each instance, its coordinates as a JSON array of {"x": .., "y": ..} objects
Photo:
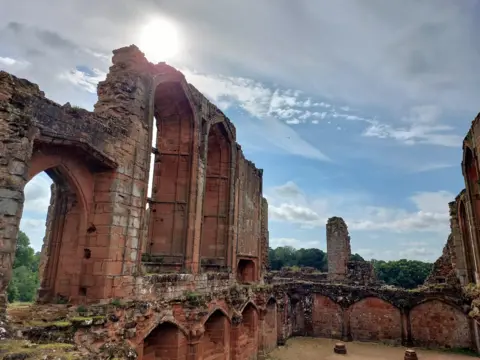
[{"x": 180, "y": 272}]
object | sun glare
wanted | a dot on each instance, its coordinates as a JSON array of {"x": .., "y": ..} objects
[{"x": 159, "y": 40}]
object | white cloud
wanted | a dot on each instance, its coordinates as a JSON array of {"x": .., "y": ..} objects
[
  {"x": 287, "y": 203},
  {"x": 440, "y": 135},
  {"x": 7, "y": 61},
  {"x": 87, "y": 82},
  {"x": 37, "y": 194}
]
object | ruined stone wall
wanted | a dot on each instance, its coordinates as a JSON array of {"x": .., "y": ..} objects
[
  {"x": 360, "y": 272},
  {"x": 338, "y": 248},
  {"x": 265, "y": 240},
  {"x": 206, "y": 204},
  {"x": 380, "y": 314},
  {"x": 443, "y": 271}
]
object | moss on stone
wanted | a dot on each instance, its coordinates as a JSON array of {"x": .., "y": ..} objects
[{"x": 38, "y": 351}]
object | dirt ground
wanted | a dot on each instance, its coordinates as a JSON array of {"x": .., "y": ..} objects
[{"x": 322, "y": 349}]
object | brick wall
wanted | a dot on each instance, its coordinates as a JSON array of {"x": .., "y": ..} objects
[
  {"x": 327, "y": 318},
  {"x": 436, "y": 324},
  {"x": 373, "y": 319}
]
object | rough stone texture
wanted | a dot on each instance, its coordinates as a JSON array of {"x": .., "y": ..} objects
[
  {"x": 373, "y": 319},
  {"x": 338, "y": 248},
  {"x": 360, "y": 273},
  {"x": 179, "y": 273},
  {"x": 444, "y": 267},
  {"x": 436, "y": 323},
  {"x": 327, "y": 318}
]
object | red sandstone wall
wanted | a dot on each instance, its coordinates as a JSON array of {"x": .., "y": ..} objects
[
  {"x": 166, "y": 342},
  {"x": 249, "y": 211},
  {"x": 326, "y": 318},
  {"x": 373, "y": 319},
  {"x": 216, "y": 340},
  {"x": 247, "y": 342},
  {"x": 270, "y": 328},
  {"x": 436, "y": 324}
]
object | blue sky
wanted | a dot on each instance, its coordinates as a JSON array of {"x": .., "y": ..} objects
[{"x": 352, "y": 108}]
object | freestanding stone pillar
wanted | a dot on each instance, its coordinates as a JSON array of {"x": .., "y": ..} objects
[{"x": 338, "y": 248}]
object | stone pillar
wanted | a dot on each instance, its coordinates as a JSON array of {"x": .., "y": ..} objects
[
  {"x": 235, "y": 329},
  {"x": 308, "y": 313},
  {"x": 194, "y": 351},
  {"x": 281, "y": 338},
  {"x": 16, "y": 143},
  {"x": 45, "y": 252},
  {"x": 338, "y": 248},
  {"x": 264, "y": 240},
  {"x": 261, "y": 334},
  {"x": 346, "y": 330}
]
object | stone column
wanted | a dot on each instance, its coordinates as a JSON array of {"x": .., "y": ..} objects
[
  {"x": 338, "y": 248},
  {"x": 346, "y": 330},
  {"x": 16, "y": 143},
  {"x": 281, "y": 324},
  {"x": 194, "y": 351},
  {"x": 235, "y": 329},
  {"x": 261, "y": 334}
]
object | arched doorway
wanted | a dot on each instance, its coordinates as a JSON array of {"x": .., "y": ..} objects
[
  {"x": 173, "y": 140},
  {"x": 165, "y": 342},
  {"x": 248, "y": 336},
  {"x": 66, "y": 269},
  {"x": 216, "y": 340}
]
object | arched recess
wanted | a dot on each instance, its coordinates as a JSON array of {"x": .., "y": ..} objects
[
  {"x": 247, "y": 342},
  {"x": 472, "y": 186},
  {"x": 246, "y": 271},
  {"x": 165, "y": 342},
  {"x": 270, "y": 327},
  {"x": 172, "y": 176},
  {"x": 296, "y": 315},
  {"x": 64, "y": 271},
  {"x": 326, "y": 317},
  {"x": 214, "y": 243},
  {"x": 373, "y": 319},
  {"x": 216, "y": 340},
  {"x": 467, "y": 242},
  {"x": 437, "y": 324}
]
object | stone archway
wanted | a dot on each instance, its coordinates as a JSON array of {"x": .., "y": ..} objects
[
  {"x": 165, "y": 342},
  {"x": 64, "y": 271},
  {"x": 216, "y": 339},
  {"x": 214, "y": 241}
]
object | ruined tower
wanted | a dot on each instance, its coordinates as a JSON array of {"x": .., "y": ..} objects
[{"x": 338, "y": 248}]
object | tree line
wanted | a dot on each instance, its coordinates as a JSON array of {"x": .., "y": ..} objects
[{"x": 403, "y": 273}]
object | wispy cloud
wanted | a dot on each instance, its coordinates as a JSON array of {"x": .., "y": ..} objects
[{"x": 288, "y": 203}]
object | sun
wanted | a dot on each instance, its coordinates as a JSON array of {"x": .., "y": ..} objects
[{"x": 159, "y": 40}]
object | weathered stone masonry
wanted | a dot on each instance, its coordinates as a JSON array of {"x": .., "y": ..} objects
[
  {"x": 179, "y": 273},
  {"x": 205, "y": 208}
]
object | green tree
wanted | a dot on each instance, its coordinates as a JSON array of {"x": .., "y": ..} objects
[
  {"x": 404, "y": 273},
  {"x": 25, "y": 282},
  {"x": 356, "y": 257}
]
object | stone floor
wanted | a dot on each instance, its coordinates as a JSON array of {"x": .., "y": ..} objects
[{"x": 322, "y": 349}]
